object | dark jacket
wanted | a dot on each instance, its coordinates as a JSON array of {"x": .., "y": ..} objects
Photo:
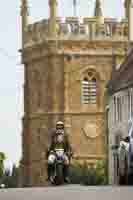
[{"x": 52, "y": 143}]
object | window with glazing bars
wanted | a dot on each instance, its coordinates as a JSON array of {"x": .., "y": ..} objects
[{"x": 89, "y": 90}]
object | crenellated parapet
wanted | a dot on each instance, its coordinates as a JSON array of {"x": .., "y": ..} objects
[{"x": 72, "y": 28}]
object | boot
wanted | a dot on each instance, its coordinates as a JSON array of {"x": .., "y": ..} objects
[
  {"x": 66, "y": 174},
  {"x": 48, "y": 172},
  {"x": 51, "y": 173}
]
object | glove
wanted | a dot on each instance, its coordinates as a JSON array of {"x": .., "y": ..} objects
[{"x": 69, "y": 154}]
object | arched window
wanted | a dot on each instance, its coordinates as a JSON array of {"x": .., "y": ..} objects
[{"x": 89, "y": 89}]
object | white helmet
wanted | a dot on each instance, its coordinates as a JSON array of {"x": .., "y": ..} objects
[{"x": 60, "y": 124}]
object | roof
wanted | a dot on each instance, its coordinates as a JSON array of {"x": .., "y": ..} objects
[{"x": 122, "y": 78}]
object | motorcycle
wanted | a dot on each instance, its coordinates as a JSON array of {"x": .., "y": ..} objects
[{"x": 58, "y": 171}]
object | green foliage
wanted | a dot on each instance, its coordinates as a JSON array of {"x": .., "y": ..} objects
[
  {"x": 2, "y": 159},
  {"x": 2, "y": 156},
  {"x": 93, "y": 175},
  {"x": 100, "y": 171},
  {"x": 76, "y": 172}
]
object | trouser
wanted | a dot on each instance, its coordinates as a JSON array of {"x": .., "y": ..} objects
[
  {"x": 130, "y": 178},
  {"x": 66, "y": 171},
  {"x": 50, "y": 170}
]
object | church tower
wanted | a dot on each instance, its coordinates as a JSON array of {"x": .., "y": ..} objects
[{"x": 67, "y": 66}]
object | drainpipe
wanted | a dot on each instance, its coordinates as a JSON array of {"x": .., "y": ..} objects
[{"x": 107, "y": 140}]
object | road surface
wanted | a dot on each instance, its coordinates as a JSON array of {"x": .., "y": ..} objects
[{"x": 72, "y": 192}]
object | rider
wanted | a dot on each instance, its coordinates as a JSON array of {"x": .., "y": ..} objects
[{"x": 54, "y": 143}]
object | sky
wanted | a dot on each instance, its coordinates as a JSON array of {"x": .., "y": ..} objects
[{"x": 11, "y": 69}]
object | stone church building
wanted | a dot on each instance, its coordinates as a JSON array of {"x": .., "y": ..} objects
[{"x": 67, "y": 65}]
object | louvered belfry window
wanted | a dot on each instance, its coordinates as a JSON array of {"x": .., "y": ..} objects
[{"x": 89, "y": 90}]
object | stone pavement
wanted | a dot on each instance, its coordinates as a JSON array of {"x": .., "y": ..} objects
[{"x": 73, "y": 192}]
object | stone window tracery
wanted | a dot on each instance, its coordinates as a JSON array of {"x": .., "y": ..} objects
[{"x": 89, "y": 89}]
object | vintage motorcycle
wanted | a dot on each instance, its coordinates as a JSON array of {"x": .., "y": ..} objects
[{"x": 58, "y": 169}]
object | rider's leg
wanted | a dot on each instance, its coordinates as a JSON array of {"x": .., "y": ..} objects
[
  {"x": 51, "y": 160},
  {"x": 66, "y": 169},
  {"x": 49, "y": 170}
]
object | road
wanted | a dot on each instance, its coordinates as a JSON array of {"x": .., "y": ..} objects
[{"x": 68, "y": 193}]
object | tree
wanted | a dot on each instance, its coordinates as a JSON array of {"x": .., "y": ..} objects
[{"x": 2, "y": 159}]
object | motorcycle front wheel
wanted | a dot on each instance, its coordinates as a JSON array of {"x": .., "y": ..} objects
[{"x": 59, "y": 174}]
